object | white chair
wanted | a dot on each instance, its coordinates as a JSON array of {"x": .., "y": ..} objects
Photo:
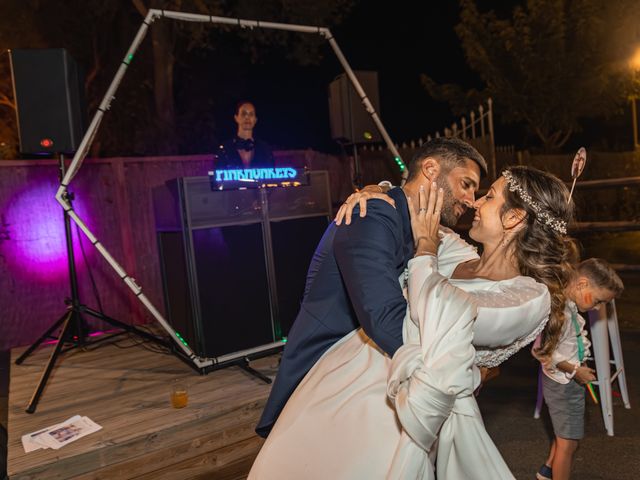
[{"x": 604, "y": 329}]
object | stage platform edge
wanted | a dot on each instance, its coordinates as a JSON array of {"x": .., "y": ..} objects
[{"x": 126, "y": 391}]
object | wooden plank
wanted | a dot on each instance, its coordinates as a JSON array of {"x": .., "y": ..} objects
[
  {"x": 608, "y": 182},
  {"x": 618, "y": 226},
  {"x": 126, "y": 391},
  {"x": 126, "y": 410},
  {"x": 116, "y": 448},
  {"x": 121, "y": 197},
  {"x": 232, "y": 461},
  {"x": 161, "y": 450}
]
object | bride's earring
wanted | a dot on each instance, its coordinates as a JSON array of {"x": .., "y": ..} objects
[{"x": 505, "y": 239}]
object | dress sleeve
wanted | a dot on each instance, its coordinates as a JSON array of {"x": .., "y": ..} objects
[
  {"x": 508, "y": 319},
  {"x": 452, "y": 251},
  {"x": 427, "y": 376},
  {"x": 431, "y": 382}
]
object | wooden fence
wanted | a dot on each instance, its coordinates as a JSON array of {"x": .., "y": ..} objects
[
  {"x": 113, "y": 196},
  {"x": 477, "y": 130}
]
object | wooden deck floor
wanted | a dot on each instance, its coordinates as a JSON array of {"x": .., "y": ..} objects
[{"x": 126, "y": 391}]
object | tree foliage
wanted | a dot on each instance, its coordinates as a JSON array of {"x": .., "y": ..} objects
[{"x": 552, "y": 63}]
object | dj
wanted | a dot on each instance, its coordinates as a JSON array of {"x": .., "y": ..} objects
[{"x": 243, "y": 150}]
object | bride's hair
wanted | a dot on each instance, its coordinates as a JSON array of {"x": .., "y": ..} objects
[{"x": 542, "y": 249}]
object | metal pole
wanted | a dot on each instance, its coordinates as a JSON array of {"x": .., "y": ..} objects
[
  {"x": 494, "y": 173},
  {"x": 634, "y": 119},
  {"x": 270, "y": 264},
  {"x": 365, "y": 100},
  {"x": 75, "y": 319}
]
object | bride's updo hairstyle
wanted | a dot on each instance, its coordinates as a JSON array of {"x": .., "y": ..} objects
[{"x": 542, "y": 249}]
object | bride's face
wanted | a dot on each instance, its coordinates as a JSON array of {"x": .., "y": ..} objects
[{"x": 487, "y": 222}]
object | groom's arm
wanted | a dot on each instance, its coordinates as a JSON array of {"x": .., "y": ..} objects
[{"x": 367, "y": 253}]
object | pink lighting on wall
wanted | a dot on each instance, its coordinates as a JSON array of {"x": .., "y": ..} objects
[{"x": 35, "y": 247}]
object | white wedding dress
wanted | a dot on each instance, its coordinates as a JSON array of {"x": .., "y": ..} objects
[{"x": 360, "y": 415}]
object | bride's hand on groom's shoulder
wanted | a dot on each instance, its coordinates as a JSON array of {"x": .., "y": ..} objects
[
  {"x": 425, "y": 219},
  {"x": 360, "y": 198}
]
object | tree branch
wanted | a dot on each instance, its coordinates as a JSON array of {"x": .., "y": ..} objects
[
  {"x": 91, "y": 76},
  {"x": 141, "y": 7},
  {"x": 553, "y": 138},
  {"x": 565, "y": 138},
  {"x": 4, "y": 100},
  {"x": 542, "y": 136}
]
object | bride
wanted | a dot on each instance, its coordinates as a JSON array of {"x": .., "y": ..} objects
[{"x": 359, "y": 414}]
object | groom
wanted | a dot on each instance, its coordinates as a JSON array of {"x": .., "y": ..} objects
[{"x": 353, "y": 277}]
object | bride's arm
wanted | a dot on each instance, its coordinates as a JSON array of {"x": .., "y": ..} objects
[
  {"x": 430, "y": 372},
  {"x": 435, "y": 368}
]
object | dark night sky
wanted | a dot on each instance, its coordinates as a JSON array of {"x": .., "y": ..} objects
[{"x": 399, "y": 40}]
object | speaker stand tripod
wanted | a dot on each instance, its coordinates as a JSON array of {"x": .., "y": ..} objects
[
  {"x": 357, "y": 171},
  {"x": 74, "y": 328}
]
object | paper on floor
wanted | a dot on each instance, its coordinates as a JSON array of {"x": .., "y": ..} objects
[{"x": 60, "y": 434}]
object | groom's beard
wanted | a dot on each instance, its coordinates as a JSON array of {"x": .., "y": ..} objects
[{"x": 448, "y": 216}]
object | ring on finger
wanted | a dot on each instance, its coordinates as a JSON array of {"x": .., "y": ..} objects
[{"x": 422, "y": 210}]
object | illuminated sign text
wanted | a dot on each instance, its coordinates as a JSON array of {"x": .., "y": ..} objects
[{"x": 255, "y": 174}]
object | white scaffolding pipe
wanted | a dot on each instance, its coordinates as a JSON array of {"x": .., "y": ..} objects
[
  {"x": 239, "y": 22},
  {"x": 137, "y": 290},
  {"x": 87, "y": 140},
  {"x": 365, "y": 100}
]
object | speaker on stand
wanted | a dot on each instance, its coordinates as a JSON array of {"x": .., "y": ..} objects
[
  {"x": 49, "y": 93},
  {"x": 351, "y": 124}
]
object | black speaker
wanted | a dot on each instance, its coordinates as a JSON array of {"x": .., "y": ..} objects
[
  {"x": 294, "y": 242},
  {"x": 234, "y": 262},
  {"x": 225, "y": 307},
  {"x": 350, "y": 122},
  {"x": 48, "y": 86}
]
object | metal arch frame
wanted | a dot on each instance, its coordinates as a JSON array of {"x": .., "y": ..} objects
[{"x": 87, "y": 140}]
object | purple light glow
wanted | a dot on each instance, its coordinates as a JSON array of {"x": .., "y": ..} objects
[{"x": 36, "y": 248}]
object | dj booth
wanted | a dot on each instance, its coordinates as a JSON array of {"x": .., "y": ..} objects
[{"x": 235, "y": 247}]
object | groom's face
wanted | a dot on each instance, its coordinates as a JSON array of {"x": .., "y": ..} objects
[{"x": 459, "y": 185}]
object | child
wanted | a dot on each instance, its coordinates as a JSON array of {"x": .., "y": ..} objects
[{"x": 565, "y": 374}]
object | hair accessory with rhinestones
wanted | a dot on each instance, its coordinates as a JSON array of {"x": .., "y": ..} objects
[{"x": 542, "y": 215}]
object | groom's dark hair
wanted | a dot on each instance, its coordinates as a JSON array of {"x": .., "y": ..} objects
[{"x": 450, "y": 152}]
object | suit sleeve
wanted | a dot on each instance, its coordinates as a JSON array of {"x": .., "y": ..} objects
[{"x": 367, "y": 254}]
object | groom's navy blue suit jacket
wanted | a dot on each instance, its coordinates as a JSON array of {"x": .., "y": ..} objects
[{"x": 352, "y": 282}]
